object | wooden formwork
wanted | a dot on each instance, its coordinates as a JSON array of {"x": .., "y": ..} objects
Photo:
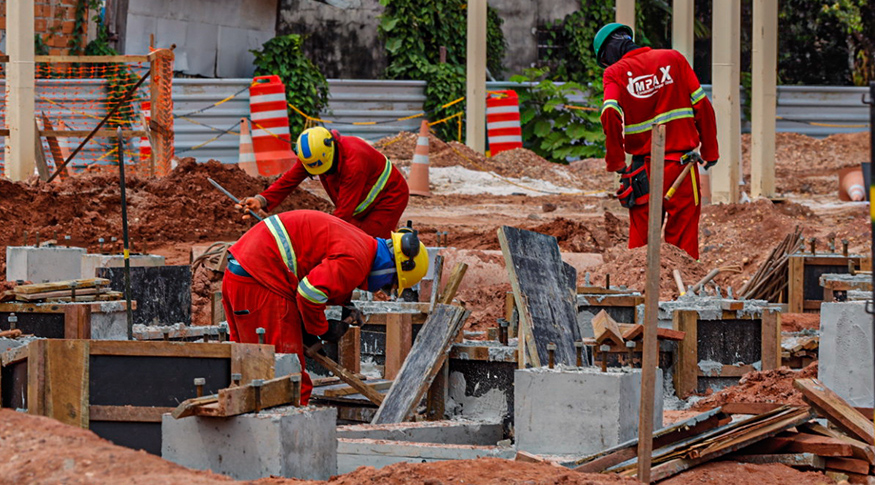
[
  {"x": 54, "y": 320},
  {"x": 733, "y": 334},
  {"x": 120, "y": 389},
  {"x": 804, "y": 270}
]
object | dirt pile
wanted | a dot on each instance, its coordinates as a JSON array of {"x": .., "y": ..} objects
[
  {"x": 773, "y": 386},
  {"x": 182, "y": 207},
  {"x": 629, "y": 266},
  {"x": 731, "y": 472}
]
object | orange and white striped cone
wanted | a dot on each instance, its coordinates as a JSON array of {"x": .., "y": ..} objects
[
  {"x": 418, "y": 179},
  {"x": 145, "y": 147},
  {"x": 851, "y": 184},
  {"x": 246, "y": 158}
]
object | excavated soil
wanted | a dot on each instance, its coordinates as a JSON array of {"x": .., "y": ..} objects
[
  {"x": 773, "y": 386},
  {"x": 734, "y": 473}
]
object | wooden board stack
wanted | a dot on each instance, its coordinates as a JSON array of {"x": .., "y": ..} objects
[{"x": 81, "y": 290}]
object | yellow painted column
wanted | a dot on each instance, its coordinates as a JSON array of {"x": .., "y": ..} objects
[
  {"x": 725, "y": 95},
  {"x": 475, "y": 129}
]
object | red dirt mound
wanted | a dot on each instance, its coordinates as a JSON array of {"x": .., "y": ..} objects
[{"x": 773, "y": 386}]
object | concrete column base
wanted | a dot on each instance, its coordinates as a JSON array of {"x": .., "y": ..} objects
[
  {"x": 846, "y": 351},
  {"x": 39, "y": 265},
  {"x": 286, "y": 442},
  {"x": 578, "y": 411}
]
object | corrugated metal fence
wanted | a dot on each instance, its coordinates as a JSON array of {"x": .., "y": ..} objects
[{"x": 812, "y": 110}]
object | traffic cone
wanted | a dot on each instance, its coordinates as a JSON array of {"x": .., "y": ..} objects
[
  {"x": 851, "y": 184},
  {"x": 246, "y": 159},
  {"x": 418, "y": 178}
]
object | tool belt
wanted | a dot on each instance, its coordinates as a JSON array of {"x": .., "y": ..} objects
[{"x": 634, "y": 186}]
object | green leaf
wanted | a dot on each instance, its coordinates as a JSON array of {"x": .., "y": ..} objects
[{"x": 542, "y": 128}]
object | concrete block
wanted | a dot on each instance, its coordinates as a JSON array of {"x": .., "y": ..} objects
[
  {"x": 286, "y": 442},
  {"x": 443, "y": 432},
  {"x": 286, "y": 364},
  {"x": 353, "y": 453},
  {"x": 578, "y": 410},
  {"x": 90, "y": 262},
  {"x": 846, "y": 351},
  {"x": 39, "y": 265}
]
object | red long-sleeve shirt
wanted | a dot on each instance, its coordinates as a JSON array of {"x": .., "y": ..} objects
[
  {"x": 327, "y": 260},
  {"x": 364, "y": 179},
  {"x": 648, "y": 86}
]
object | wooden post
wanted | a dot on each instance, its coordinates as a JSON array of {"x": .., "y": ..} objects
[
  {"x": 770, "y": 332},
  {"x": 349, "y": 350},
  {"x": 39, "y": 155},
  {"x": 795, "y": 284},
  {"x": 625, "y": 13},
  {"x": 682, "y": 19},
  {"x": 725, "y": 94},
  {"x": 399, "y": 339},
  {"x": 764, "y": 73},
  {"x": 686, "y": 375},
  {"x": 650, "y": 359},
  {"x": 77, "y": 321},
  {"x": 20, "y": 90},
  {"x": 161, "y": 123},
  {"x": 475, "y": 121}
]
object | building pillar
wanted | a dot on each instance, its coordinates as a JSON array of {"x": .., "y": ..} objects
[
  {"x": 725, "y": 95},
  {"x": 20, "y": 90},
  {"x": 475, "y": 126},
  {"x": 764, "y": 73}
]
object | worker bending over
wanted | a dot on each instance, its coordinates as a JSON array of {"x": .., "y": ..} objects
[
  {"x": 284, "y": 271},
  {"x": 643, "y": 87},
  {"x": 366, "y": 189}
]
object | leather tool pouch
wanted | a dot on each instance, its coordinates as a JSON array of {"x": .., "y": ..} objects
[{"x": 634, "y": 186}]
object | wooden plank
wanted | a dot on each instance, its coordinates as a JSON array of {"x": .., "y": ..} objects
[
  {"x": 749, "y": 407},
  {"x": 795, "y": 290},
  {"x": 217, "y": 310},
  {"x": 631, "y": 331},
  {"x": 669, "y": 334},
  {"x": 399, "y": 339},
  {"x": 848, "y": 465},
  {"x": 189, "y": 406},
  {"x": 137, "y": 414},
  {"x": 12, "y": 356},
  {"x": 54, "y": 146},
  {"x": 600, "y": 290},
  {"x": 67, "y": 381},
  {"x": 349, "y": 350},
  {"x": 60, "y": 285},
  {"x": 42, "y": 167},
  {"x": 828, "y": 260},
  {"x": 544, "y": 289},
  {"x": 36, "y": 377},
  {"x": 605, "y": 328},
  {"x": 729, "y": 371},
  {"x": 425, "y": 359},
  {"x": 650, "y": 356},
  {"x": 770, "y": 331},
  {"x": 438, "y": 393},
  {"x": 836, "y": 409},
  {"x": 812, "y": 443},
  {"x": 614, "y": 300},
  {"x": 77, "y": 322},
  {"x": 234, "y": 401},
  {"x": 437, "y": 271},
  {"x": 860, "y": 450},
  {"x": 252, "y": 361},
  {"x": 347, "y": 390},
  {"x": 162, "y": 349},
  {"x": 345, "y": 375},
  {"x": 687, "y": 371},
  {"x": 453, "y": 283},
  {"x": 796, "y": 460}
]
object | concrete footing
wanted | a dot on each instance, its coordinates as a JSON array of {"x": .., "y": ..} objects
[
  {"x": 90, "y": 262},
  {"x": 846, "y": 351},
  {"x": 39, "y": 265},
  {"x": 382, "y": 445},
  {"x": 578, "y": 411},
  {"x": 285, "y": 442}
]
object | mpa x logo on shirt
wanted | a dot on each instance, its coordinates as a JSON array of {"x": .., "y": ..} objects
[{"x": 647, "y": 85}]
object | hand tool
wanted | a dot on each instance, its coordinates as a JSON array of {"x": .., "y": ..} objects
[
  {"x": 344, "y": 375},
  {"x": 679, "y": 281},
  {"x": 235, "y": 199},
  {"x": 689, "y": 160}
]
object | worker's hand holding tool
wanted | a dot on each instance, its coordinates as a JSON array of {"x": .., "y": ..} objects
[
  {"x": 250, "y": 204},
  {"x": 707, "y": 165},
  {"x": 336, "y": 330},
  {"x": 352, "y": 315}
]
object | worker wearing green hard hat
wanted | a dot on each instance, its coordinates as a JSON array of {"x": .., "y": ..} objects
[{"x": 645, "y": 87}]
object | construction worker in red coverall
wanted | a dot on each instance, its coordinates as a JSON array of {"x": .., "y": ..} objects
[
  {"x": 284, "y": 271},
  {"x": 645, "y": 86},
  {"x": 366, "y": 189}
]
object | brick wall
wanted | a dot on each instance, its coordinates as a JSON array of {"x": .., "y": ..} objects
[{"x": 53, "y": 21}]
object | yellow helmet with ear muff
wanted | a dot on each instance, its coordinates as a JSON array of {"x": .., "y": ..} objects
[
  {"x": 411, "y": 257},
  {"x": 315, "y": 149}
]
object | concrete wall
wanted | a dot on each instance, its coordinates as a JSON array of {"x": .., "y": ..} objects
[
  {"x": 521, "y": 19},
  {"x": 212, "y": 38},
  {"x": 846, "y": 351},
  {"x": 340, "y": 35}
]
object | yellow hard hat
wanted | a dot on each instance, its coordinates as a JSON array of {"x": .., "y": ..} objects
[
  {"x": 411, "y": 257},
  {"x": 315, "y": 149}
]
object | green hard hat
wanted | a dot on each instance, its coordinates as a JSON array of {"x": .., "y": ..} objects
[{"x": 602, "y": 35}]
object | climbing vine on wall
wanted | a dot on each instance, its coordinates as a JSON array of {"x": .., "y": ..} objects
[{"x": 414, "y": 32}]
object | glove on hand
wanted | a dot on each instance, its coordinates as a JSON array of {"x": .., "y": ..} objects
[
  {"x": 309, "y": 340},
  {"x": 336, "y": 329},
  {"x": 352, "y": 316},
  {"x": 710, "y": 164}
]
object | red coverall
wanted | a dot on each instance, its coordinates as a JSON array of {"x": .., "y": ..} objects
[
  {"x": 366, "y": 189},
  {"x": 645, "y": 87},
  {"x": 327, "y": 259}
]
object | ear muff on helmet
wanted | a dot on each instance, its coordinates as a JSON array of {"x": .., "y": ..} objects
[
  {"x": 411, "y": 257},
  {"x": 315, "y": 149}
]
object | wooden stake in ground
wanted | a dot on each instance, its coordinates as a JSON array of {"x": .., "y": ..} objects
[{"x": 651, "y": 305}]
